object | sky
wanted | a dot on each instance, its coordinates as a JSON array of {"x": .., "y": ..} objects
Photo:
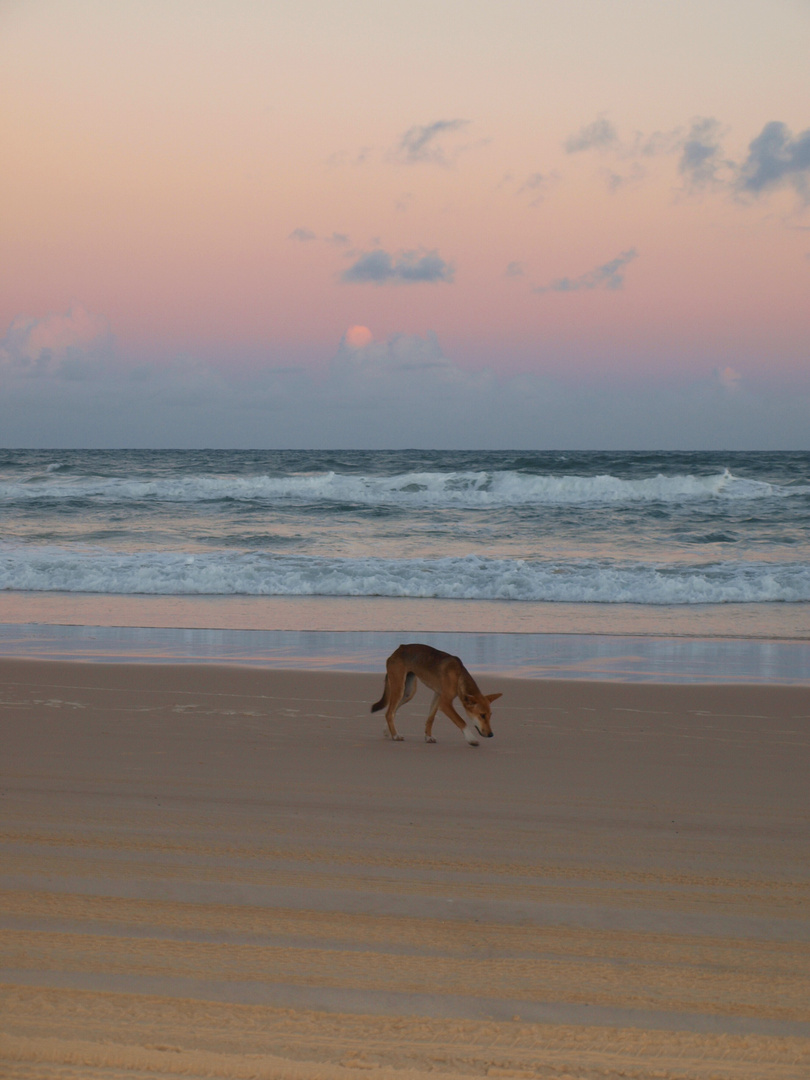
[{"x": 458, "y": 223}]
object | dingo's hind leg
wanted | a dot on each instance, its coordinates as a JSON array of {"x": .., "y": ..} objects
[
  {"x": 431, "y": 717},
  {"x": 383, "y": 700},
  {"x": 410, "y": 689},
  {"x": 397, "y": 689}
]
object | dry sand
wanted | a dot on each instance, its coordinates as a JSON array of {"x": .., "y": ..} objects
[{"x": 225, "y": 872}]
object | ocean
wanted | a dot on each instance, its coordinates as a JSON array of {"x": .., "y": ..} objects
[{"x": 706, "y": 544}]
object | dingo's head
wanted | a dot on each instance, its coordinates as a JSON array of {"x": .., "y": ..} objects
[{"x": 479, "y": 711}]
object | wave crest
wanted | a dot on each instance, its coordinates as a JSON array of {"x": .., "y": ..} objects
[{"x": 413, "y": 489}]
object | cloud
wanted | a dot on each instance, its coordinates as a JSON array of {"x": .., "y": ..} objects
[
  {"x": 338, "y": 239},
  {"x": 341, "y": 158},
  {"x": 402, "y": 392},
  {"x": 538, "y": 185},
  {"x": 608, "y": 276},
  {"x": 600, "y": 135},
  {"x": 700, "y": 160},
  {"x": 617, "y": 181},
  {"x": 424, "y": 143},
  {"x": 514, "y": 269},
  {"x": 659, "y": 142},
  {"x": 70, "y": 345},
  {"x": 302, "y": 235},
  {"x": 700, "y": 151},
  {"x": 405, "y": 268},
  {"x": 405, "y": 388},
  {"x": 775, "y": 159},
  {"x": 533, "y": 182},
  {"x": 400, "y": 353},
  {"x": 603, "y": 137}
]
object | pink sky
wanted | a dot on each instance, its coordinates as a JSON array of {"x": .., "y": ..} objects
[{"x": 210, "y": 181}]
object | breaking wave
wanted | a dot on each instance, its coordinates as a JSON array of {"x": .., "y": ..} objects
[
  {"x": 469, "y": 577},
  {"x": 411, "y": 489}
]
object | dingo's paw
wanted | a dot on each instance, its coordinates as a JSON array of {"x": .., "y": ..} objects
[
  {"x": 429, "y": 738},
  {"x": 469, "y": 736}
]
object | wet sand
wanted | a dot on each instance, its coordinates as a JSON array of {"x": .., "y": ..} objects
[
  {"x": 212, "y": 871},
  {"x": 411, "y": 615}
]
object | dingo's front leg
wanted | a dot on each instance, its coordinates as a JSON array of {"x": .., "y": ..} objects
[
  {"x": 469, "y": 735},
  {"x": 467, "y": 730}
]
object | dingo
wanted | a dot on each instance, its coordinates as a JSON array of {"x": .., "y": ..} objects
[{"x": 447, "y": 677}]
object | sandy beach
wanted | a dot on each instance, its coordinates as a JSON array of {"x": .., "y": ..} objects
[{"x": 212, "y": 871}]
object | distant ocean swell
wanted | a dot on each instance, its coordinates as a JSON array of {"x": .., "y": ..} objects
[
  {"x": 469, "y": 577},
  {"x": 470, "y": 489}
]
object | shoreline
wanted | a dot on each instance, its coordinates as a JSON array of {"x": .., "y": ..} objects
[
  {"x": 586, "y": 657},
  {"x": 216, "y": 870}
]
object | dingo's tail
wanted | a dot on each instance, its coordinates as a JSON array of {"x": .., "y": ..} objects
[{"x": 383, "y": 700}]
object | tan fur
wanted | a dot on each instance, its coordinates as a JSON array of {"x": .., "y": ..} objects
[{"x": 447, "y": 677}]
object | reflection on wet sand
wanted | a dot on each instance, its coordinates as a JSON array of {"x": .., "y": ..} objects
[{"x": 556, "y": 656}]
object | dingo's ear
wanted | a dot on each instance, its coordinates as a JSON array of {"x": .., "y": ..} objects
[{"x": 492, "y": 697}]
